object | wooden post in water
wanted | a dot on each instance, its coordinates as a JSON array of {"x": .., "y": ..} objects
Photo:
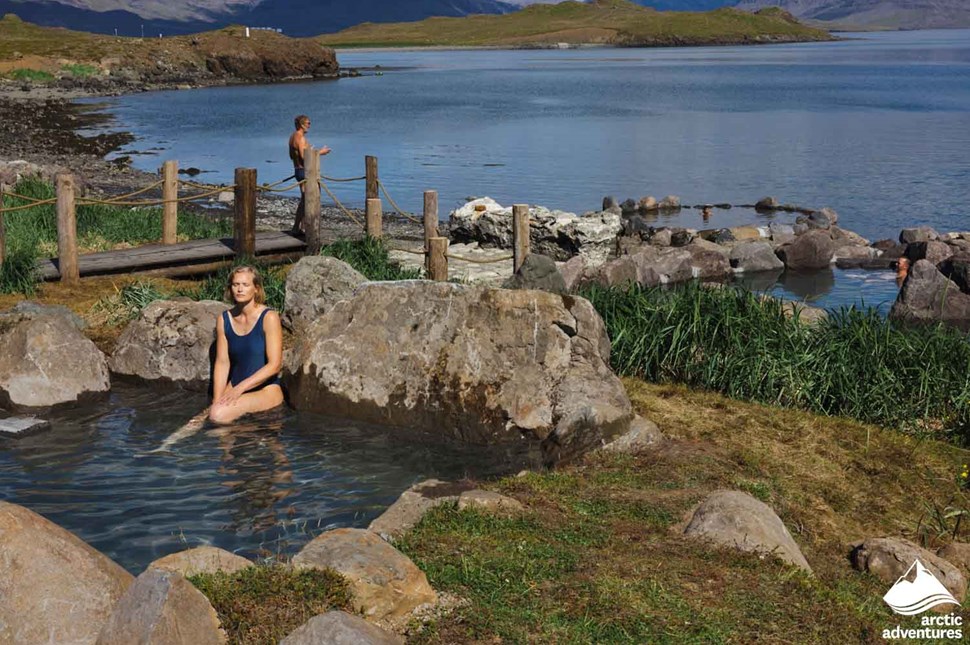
[
  {"x": 66, "y": 230},
  {"x": 520, "y": 235},
  {"x": 170, "y": 193},
  {"x": 430, "y": 224},
  {"x": 370, "y": 169},
  {"x": 374, "y": 215},
  {"x": 244, "y": 226},
  {"x": 438, "y": 259},
  {"x": 311, "y": 200}
]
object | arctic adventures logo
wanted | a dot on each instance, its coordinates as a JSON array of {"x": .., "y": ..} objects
[{"x": 909, "y": 597}]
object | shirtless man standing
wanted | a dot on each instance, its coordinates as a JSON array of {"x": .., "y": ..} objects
[{"x": 298, "y": 145}]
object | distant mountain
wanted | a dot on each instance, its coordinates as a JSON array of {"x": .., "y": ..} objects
[
  {"x": 312, "y": 17},
  {"x": 294, "y": 17},
  {"x": 887, "y": 14}
]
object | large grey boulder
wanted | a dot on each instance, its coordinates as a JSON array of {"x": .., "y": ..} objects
[
  {"x": 752, "y": 257},
  {"x": 890, "y": 558},
  {"x": 843, "y": 237},
  {"x": 340, "y": 628},
  {"x": 708, "y": 263},
  {"x": 934, "y": 251},
  {"x": 162, "y": 608},
  {"x": 314, "y": 285},
  {"x": 558, "y": 234},
  {"x": 538, "y": 272},
  {"x": 171, "y": 340},
  {"x": 737, "y": 520},
  {"x": 54, "y": 588},
  {"x": 918, "y": 234},
  {"x": 45, "y": 360},
  {"x": 663, "y": 265},
  {"x": 201, "y": 559},
  {"x": 385, "y": 584},
  {"x": 811, "y": 250},
  {"x": 413, "y": 504},
  {"x": 928, "y": 296},
  {"x": 469, "y": 362}
]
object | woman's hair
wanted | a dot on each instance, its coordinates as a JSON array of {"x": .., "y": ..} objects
[
  {"x": 260, "y": 296},
  {"x": 300, "y": 119}
]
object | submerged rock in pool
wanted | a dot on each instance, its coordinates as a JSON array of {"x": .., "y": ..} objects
[
  {"x": 482, "y": 365},
  {"x": 45, "y": 360}
]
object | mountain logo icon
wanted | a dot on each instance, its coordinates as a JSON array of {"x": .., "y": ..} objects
[{"x": 923, "y": 592}]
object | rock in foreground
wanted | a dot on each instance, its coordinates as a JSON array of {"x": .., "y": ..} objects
[
  {"x": 385, "y": 583},
  {"x": 738, "y": 520},
  {"x": 54, "y": 588},
  {"x": 340, "y": 628}
]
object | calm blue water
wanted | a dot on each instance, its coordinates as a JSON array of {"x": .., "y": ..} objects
[
  {"x": 261, "y": 489},
  {"x": 877, "y": 128}
]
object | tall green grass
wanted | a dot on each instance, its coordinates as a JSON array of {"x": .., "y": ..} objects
[
  {"x": 32, "y": 233},
  {"x": 854, "y": 363},
  {"x": 370, "y": 257}
]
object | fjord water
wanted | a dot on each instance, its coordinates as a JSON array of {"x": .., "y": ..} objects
[
  {"x": 876, "y": 126},
  {"x": 260, "y": 488}
]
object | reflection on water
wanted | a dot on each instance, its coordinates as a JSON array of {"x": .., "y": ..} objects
[
  {"x": 807, "y": 286},
  {"x": 261, "y": 487},
  {"x": 829, "y": 288}
]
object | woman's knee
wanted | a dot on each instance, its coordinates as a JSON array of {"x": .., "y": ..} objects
[{"x": 221, "y": 414}]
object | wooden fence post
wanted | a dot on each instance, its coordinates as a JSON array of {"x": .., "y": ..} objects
[
  {"x": 430, "y": 224},
  {"x": 244, "y": 226},
  {"x": 520, "y": 235},
  {"x": 374, "y": 214},
  {"x": 370, "y": 169},
  {"x": 438, "y": 259},
  {"x": 170, "y": 193},
  {"x": 311, "y": 200},
  {"x": 66, "y": 230}
]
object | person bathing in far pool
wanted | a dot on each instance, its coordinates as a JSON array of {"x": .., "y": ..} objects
[{"x": 249, "y": 351}]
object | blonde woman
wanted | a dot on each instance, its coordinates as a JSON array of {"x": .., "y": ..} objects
[
  {"x": 249, "y": 354},
  {"x": 249, "y": 351}
]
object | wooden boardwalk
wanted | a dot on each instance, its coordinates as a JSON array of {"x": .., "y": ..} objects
[{"x": 166, "y": 256}]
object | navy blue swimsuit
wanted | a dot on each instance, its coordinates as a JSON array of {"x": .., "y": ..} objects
[{"x": 247, "y": 354}]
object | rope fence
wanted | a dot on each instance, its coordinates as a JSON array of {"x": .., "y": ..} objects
[{"x": 245, "y": 191}]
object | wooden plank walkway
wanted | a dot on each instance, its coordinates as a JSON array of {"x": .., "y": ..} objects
[{"x": 159, "y": 256}]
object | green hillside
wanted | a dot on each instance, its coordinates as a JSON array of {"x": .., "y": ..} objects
[{"x": 605, "y": 22}]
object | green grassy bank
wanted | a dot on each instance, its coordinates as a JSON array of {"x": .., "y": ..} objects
[
  {"x": 854, "y": 363},
  {"x": 606, "y": 22}
]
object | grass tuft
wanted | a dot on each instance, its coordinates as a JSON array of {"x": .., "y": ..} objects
[
  {"x": 263, "y": 604},
  {"x": 370, "y": 257},
  {"x": 27, "y": 74}
]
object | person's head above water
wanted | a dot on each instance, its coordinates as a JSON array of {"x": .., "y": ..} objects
[
  {"x": 245, "y": 283},
  {"x": 300, "y": 121}
]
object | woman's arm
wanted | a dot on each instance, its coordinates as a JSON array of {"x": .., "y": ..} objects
[
  {"x": 220, "y": 371},
  {"x": 273, "y": 331}
]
